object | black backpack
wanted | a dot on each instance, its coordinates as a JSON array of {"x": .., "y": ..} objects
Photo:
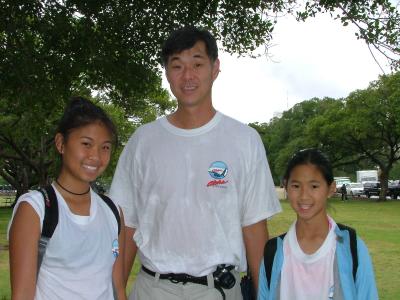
[
  {"x": 270, "y": 250},
  {"x": 50, "y": 219}
]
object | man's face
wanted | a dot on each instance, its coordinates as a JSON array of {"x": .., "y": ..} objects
[{"x": 191, "y": 74}]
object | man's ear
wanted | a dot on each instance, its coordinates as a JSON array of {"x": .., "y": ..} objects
[
  {"x": 216, "y": 69},
  {"x": 59, "y": 141}
]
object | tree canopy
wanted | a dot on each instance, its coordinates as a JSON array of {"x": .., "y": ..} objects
[
  {"x": 361, "y": 130},
  {"x": 47, "y": 48},
  {"x": 369, "y": 127}
]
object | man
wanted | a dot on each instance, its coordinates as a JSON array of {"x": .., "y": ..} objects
[
  {"x": 343, "y": 191},
  {"x": 195, "y": 187}
]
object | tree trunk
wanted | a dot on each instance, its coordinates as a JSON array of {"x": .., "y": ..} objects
[{"x": 383, "y": 178}]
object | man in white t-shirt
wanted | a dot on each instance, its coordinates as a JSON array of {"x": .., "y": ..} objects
[{"x": 195, "y": 187}]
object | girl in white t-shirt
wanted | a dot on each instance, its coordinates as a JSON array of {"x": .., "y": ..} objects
[
  {"x": 83, "y": 259},
  {"x": 314, "y": 261}
]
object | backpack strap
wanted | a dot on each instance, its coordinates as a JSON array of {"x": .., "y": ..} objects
[
  {"x": 269, "y": 255},
  {"x": 113, "y": 208},
  {"x": 115, "y": 211},
  {"x": 50, "y": 221},
  {"x": 353, "y": 247}
]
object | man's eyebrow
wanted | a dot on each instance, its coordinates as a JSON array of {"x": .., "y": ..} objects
[
  {"x": 198, "y": 55},
  {"x": 173, "y": 58},
  {"x": 177, "y": 57}
]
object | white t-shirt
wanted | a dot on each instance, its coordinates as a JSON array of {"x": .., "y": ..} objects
[
  {"x": 188, "y": 193},
  {"x": 308, "y": 276},
  {"x": 80, "y": 255}
]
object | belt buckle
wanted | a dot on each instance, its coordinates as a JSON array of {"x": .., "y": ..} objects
[
  {"x": 173, "y": 280},
  {"x": 177, "y": 278}
]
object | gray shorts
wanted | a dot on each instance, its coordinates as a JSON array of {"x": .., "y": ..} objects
[{"x": 147, "y": 287}]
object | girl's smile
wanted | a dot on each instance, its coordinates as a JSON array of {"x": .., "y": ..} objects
[{"x": 308, "y": 191}]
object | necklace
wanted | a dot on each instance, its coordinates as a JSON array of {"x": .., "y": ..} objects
[{"x": 77, "y": 194}]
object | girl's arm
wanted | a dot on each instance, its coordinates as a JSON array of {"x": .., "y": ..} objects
[
  {"x": 24, "y": 238},
  {"x": 118, "y": 269}
]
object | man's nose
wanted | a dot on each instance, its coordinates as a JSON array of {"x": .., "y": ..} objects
[{"x": 188, "y": 72}]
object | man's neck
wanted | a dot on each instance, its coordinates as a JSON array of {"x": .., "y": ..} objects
[{"x": 187, "y": 118}]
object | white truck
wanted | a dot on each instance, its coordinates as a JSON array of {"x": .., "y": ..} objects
[{"x": 367, "y": 175}]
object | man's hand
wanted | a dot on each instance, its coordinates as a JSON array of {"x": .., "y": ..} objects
[{"x": 255, "y": 237}]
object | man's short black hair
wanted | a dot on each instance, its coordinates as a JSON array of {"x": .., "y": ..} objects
[{"x": 185, "y": 38}]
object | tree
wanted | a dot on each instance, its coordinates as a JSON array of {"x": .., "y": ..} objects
[
  {"x": 25, "y": 142},
  {"x": 285, "y": 135},
  {"x": 366, "y": 127},
  {"x": 360, "y": 130},
  {"x": 375, "y": 130},
  {"x": 50, "y": 50},
  {"x": 48, "y": 47},
  {"x": 395, "y": 172},
  {"x": 27, "y": 146},
  {"x": 125, "y": 128}
]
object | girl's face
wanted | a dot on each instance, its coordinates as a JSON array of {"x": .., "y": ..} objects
[
  {"x": 85, "y": 153},
  {"x": 308, "y": 192}
]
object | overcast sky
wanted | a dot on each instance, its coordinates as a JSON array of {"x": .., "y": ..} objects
[{"x": 316, "y": 58}]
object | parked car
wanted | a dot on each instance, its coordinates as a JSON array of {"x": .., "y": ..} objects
[
  {"x": 7, "y": 189},
  {"x": 372, "y": 188},
  {"x": 355, "y": 189},
  {"x": 394, "y": 189}
]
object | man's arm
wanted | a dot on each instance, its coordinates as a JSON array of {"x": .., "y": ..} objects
[
  {"x": 130, "y": 252},
  {"x": 255, "y": 237}
]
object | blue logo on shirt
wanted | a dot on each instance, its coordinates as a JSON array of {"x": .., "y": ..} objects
[
  {"x": 218, "y": 170},
  {"x": 115, "y": 248}
]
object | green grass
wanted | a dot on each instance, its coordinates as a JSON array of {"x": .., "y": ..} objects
[
  {"x": 5, "y": 201},
  {"x": 377, "y": 223},
  {"x": 5, "y": 214}
]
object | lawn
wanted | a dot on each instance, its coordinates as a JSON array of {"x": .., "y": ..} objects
[
  {"x": 377, "y": 223},
  {"x": 4, "y": 267}
]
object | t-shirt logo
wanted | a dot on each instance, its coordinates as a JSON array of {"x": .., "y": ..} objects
[
  {"x": 115, "y": 248},
  {"x": 217, "y": 170}
]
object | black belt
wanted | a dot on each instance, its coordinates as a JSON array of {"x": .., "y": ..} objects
[{"x": 185, "y": 278}]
